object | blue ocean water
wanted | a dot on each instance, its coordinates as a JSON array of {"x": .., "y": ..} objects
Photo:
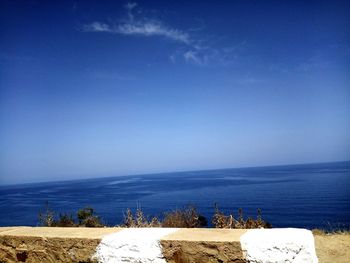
[{"x": 313, "y": 195}]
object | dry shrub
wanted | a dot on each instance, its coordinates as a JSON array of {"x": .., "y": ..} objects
[
  {"x": 47, "y": 217},
  {"x": 65, "y": 220},
  {"x": 319, "y": 232},
  {"x": 220, "y": 220},
  {"x": 332, "y": 228},
  {"x": 87, "y": 218},
  {"x": 187, "y": 217},
  {"x": 139, "y": 219}
]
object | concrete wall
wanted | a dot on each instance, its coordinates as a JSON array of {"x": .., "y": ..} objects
[{"x": 42, "y": 244}]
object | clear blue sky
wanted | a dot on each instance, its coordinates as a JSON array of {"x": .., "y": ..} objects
[{"x": 91, "y": 89}]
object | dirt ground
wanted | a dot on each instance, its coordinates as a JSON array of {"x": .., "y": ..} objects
[{"x": 333, "y": 248}]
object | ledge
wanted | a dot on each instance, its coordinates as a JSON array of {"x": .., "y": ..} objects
[
  {"x": 58, "y": 232},
  {"x": 54, "y": 244}
]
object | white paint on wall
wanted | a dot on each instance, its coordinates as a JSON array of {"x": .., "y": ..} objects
[
  {"x": 134, "y": 245},
  {"x": 279, "y": 245}
]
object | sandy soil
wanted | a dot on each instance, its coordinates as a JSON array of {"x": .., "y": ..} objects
[{"x": 334, "y": 248}]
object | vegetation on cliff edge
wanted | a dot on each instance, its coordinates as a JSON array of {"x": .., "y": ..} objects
[{"x": 186, "y": 217}]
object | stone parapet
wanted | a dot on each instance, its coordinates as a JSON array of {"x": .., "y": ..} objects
[{"x": 158, "y": 245}]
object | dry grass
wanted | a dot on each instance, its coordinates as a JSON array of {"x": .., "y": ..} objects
[
  {"x": 47, "y": 217},
  {"x": 323, "y": 232},
  {"x": 85, "y": 217},
  {"x": 88, "y": 218},
  {"x": 139, "y": 219},
  {"x": 220, "y": 220},
  {"x": 332, "y": 228},
  {"x": 187, "y": 217}
]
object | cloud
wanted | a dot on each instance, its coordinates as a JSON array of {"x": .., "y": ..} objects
[
  {"x": 152, "y": 28},
  {"x": 209, "y": 56},
  {"x": 193, "y": 49},
  {"x": 97, "y": 27},
  {"x": 142, "y": 27},
  {"x": 193, "y": 57},
  {"x": 130, "y": 6},
  {"x": 172, "y": 58},
  {"x": 149, "y": 28}
]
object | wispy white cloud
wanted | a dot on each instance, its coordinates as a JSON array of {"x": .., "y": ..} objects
[
  {"x": 152, "y": 28},
  {"x": 149, "y": 28},
  {"x": 206, "y": 55},
  {"x": 129, "y": 6},
  {"x": 172, "y": 58},
  {"x": 193, "y": 57},
  {"x": 203, "y": 54},
  {"x": 193, "y": 49},
  {"x": 97, "y": 27},
  {"x": 143, "y": 27}
]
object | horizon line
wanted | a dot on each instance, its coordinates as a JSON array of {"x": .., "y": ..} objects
[{"x": 171, "y": 172}]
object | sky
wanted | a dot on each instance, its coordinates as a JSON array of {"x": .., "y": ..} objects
[{"x": 109, "y": 88}]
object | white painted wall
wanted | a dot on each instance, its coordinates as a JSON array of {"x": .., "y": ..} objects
[
  {"x": 284, "y": 245},
  {"x": 134, "y": 245}
]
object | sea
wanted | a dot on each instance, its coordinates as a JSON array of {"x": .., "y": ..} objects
[{"x": 307, "y": 196}]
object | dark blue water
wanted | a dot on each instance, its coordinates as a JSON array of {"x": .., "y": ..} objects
[{"x": 310, "y": 196}]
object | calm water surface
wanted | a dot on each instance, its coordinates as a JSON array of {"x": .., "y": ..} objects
[{"x": 310, "y": 196}]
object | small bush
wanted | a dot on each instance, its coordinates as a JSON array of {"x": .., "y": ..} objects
[
  {"x": 87, "y": 218},
  {"x": 84, "y": 213},
  {"x": 220, "y": 220},
  {"x": 65, "y": 220},
  {"x": 319, "y": 232},
  {"x": 139, "y": 219},
  {"x": 47, "y": 217},
  {"x": 334, "y": 228},
  {"x": 187, "y": 217},
  {"x": 129, "y": 219}
]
